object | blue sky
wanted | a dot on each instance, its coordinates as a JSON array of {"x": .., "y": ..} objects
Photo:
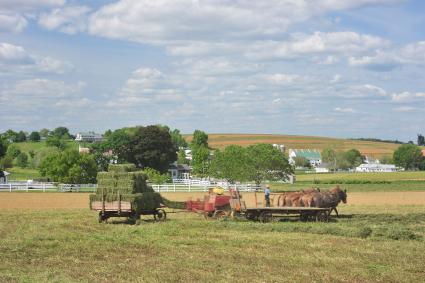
[{"x": 351, "y": 68}]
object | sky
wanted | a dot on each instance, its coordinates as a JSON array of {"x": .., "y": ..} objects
[{"x": 352, "y": 68}]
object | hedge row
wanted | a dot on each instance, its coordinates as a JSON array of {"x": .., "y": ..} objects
[{"x": 351, "y": 182}]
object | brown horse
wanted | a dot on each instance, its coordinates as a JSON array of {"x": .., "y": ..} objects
[
  {"x": 327, "y": 199},
  {"x": 293, "y": 198}
]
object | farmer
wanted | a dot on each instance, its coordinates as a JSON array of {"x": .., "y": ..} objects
[{"x": 267, "y": 195}]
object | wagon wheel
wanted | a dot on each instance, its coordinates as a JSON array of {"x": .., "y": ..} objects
[
  {"x": 208, "y": 215},
  {"x": 160, "y": 215},
  {"x": 101, "y": 218},
  {"x": 220, "y": 214},
  {"x": 322, "y": 216},
  {"x": 134, "y": 219},
  {"x": 303, "y": 216},
  {"x": 250, "y": 216},
  {"x": 266, "y": 216}
]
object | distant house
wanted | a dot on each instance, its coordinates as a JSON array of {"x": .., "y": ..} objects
[
  {"x": 312, "y": 155},
  {"x": 179, "y": 171},
  {"x": 323, "y": 168},
  {"x": 376, "y": 167},
  {"x": 188, "y": 154},
  {"x": 3, "y": 176},
  {"x": 89, "y": 137},
  {"x": 423, "y": 152}
]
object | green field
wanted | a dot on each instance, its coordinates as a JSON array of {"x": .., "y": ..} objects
[
  {"x": 36, "y": 146},
  {"x": 368, "y": 244},
  {"x": 23, "y": 174}
]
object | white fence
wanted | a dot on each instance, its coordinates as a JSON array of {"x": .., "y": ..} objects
[
  {"x": 45, "y": 187},
  {"x": 201, "y": 188},
  {"x": 27, "y": 186}
]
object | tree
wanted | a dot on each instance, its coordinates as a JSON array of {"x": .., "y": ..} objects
[
  {"x": 200, "y": 160},
  {"x": 13, "y": 151},
  {"x": 6, "y": 162},
  {"x": 267, "y": 163},
  {"x": 231, "y": 164},
  {"x": 421, "y": 140},
  {"x": 177, "y": 139},
  {"x": 199, "y": 139},
  {"x": 35, "y": 136},
  {"x": 353, "y": 157},
  {"x": 152, "y": 147},
  {"x": 119, "y": 142},
  {"x": 3, "y": 147},
  {"x": 10, "y": 135},
  {"x": 21, "y": 137},
  {"x": 98, "y": 152},
  {"x": 408, "y": 156},
  {"x": 69, "y": 167},
  {"x": 181, "y": 157},
  {"x": 329, "y": 156},
  {"x": 22, "y": 160},
  {"x": 61, "y": 132},
  {"x": 56, "y": 141},
  {"x": 44, "y": 133},
  {"x": 155, "y": 176},
  {"x": 301, "y": 161}
]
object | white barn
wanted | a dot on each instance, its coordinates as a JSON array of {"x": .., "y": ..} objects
[{"x": 376, "y": 167}]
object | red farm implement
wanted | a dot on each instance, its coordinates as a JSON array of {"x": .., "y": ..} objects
[{"x": 212, "y": 206}]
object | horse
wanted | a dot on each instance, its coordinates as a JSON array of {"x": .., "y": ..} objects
[
  {"x": 293, "y": 198},
  {"x": 327, "y": 199}
]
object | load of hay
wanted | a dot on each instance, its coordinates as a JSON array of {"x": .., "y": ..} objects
[{"x": 122, "y": 181}]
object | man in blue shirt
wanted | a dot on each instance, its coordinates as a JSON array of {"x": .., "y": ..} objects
[{"x": 267, "y": 195}]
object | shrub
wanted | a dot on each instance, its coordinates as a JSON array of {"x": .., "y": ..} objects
[{"x": 22, "y": 160}]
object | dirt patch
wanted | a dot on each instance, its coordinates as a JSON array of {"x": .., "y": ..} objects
[{"x": 41, "y": 201}]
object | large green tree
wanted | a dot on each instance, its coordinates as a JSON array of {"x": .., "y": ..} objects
[
  {"x": 152, "y": 147},
  {"x": 69, "y": 167},
  {"x": 34, "y": 136},
  {"x": 408, "y": 156},
  {"x": 231, "y": 164},
  {"x": 178, "y": 139},
  {"x": 21, "y": 137},
  {"x": 329, "y": 156},
  {"x": 267, "y": 163},
  {"x": 3, "y": 147},
  {"x": 200, "y": 138},
  {"x": 353, "y": 157},
  {"x": 61, "y": 132}
]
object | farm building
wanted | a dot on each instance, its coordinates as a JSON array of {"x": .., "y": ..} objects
[
  {"x": 376, "y": 167},
  {"x": 323, "y": 168},
  {"x": 179, "y": 171},
  {"x": 312, "y": 155},
  {"x": 89, "y": 137},
  {"x": 280, "y": 147},
  {"x": 3, "y": 176}
]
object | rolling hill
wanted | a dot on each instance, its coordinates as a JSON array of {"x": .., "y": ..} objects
[{"x": 370, "y": 148}]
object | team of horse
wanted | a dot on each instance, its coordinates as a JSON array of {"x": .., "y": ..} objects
[{"x": 314, "y": 198}]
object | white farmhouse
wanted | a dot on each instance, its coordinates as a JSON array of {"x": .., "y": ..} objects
[
  {"x": 89, "y": 137},
  {"x": 312, "y": 155},
  {"x": 376, "y": 167}
]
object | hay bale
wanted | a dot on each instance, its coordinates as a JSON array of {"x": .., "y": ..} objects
[
  {"x": 122, "y": 168},
  {"x": 140, "y": 202}
]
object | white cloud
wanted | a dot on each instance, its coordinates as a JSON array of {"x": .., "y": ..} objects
[
  {"x": 42, "y": 88},
  {"x": 69, "y": 20},
  {"x": 336, "y": 78},
  {"x": 164, "y": 21},
  {"x": 407, "y": 96},
  {"x": 344, "y": 110},
  {"x": 405, "y": 109},
  {"x": 14, "y": 14},
  {"x": 16, "y": 58},
  {"x": 283, "y": 78},
  {"x": 12, "y": 22},
  {"x": 386, "y": 60}
]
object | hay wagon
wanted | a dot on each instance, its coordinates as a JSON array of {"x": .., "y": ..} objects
[
  {"x": 125, "y": 208},
  {"x": 266, "y": 214}
]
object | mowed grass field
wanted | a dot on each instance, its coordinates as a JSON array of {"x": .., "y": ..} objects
[
  {"x": 376, "y": 149},
  {"x": 371, "y": 242}
]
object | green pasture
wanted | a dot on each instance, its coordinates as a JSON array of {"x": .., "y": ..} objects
[
  {"x": 367, "y": 244},
  {"x": 373, "y": 177},
  {"x": 23, "y": 174},
  {"x": 36, "y": 146}
]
